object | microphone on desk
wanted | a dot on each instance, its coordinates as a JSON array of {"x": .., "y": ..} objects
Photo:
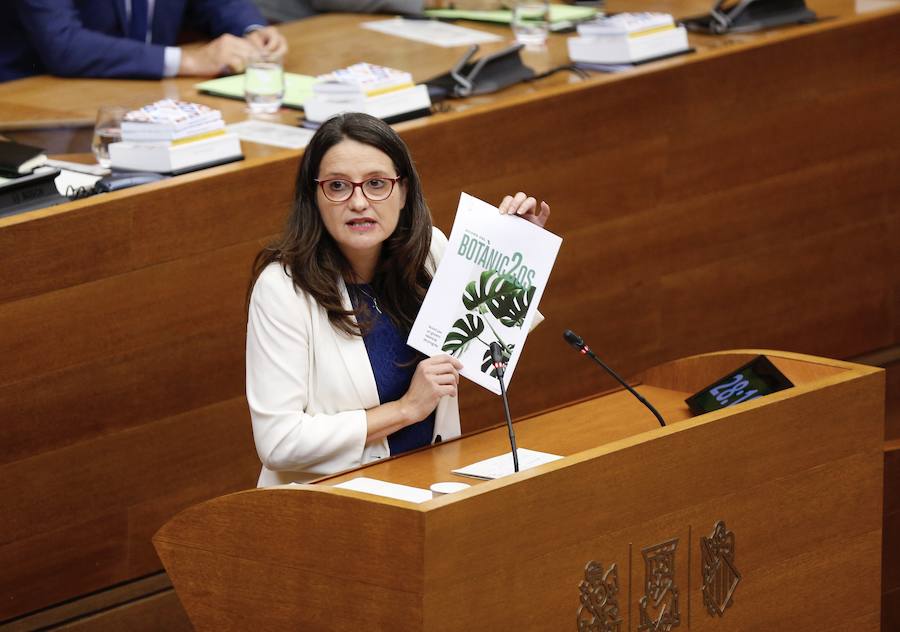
[
  {"x": 575, "y": 340},
  {"x": 500, "y": 368}
]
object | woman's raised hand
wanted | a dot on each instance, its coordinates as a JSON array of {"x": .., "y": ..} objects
[
  {"x": 434, "y": 378},
  {"x": 526, "y": 207}
]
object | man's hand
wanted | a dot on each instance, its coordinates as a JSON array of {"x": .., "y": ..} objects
[
  {"x": 268, "y": 40},
  {"x": 224, "y": 54},
  {"x": 229, "y": 54}
]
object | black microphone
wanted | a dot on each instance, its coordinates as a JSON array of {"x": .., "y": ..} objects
[
  {"x": 575, "y": 340},
  {"x": 500, "y": 368}
]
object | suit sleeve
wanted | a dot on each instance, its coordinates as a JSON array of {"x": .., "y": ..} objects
[
  {"x": 217, "y": 17},
  {"x": 278, "y": 364},
  {"x": 68, "y": 49}
]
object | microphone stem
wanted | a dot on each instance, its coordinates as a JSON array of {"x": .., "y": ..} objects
[
  {"x": 512, "y": 435},
  {"x": 615, "y": 375}
]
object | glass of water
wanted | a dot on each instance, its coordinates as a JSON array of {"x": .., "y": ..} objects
[
  {"x": 107, "y": 130},
  {"x": 531, "y": 22},
  {"x": 264, "y": 84}
]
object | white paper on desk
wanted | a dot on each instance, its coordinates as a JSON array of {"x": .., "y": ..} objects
[
  {"x": 432, "y": 32},
  {"x": 502, "y": 465},
  {"x": 268, "y": 133},
  {"x": 486, "y": 289},
  {"x": 390, "y": 490},
  {"x": 71, "y": 181}
]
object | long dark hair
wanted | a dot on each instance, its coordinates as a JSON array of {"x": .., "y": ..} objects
[{"x": 308, "y": 253}]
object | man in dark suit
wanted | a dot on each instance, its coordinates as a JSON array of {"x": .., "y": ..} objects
[{"x": 130, "y": 38}]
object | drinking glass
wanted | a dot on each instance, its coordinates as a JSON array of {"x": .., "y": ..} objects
[
  {"x": 264, "y": 84},
  {"x": 107, "y": 130},
  {"x": 531, "y": 22}
]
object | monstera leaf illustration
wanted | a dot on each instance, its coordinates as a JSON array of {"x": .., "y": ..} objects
[
  {"x": 491, "y": 291},
  {"x": 511, "y": 309},
  {"x": 487, "y": 363},
  {"x": 464, "y": 331}
]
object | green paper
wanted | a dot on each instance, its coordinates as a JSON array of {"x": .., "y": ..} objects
[
  {"x": 297, "y": 88},
  {"x": 558, "y": 13}
]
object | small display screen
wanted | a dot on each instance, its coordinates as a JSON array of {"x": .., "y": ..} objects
[{"x": 756, "y": 378}]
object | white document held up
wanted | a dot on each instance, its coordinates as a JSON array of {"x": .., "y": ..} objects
[
  {"x": 432, "y": 32},
  {"x": 486, "y": 289},
  {"x": 502, "y": 465},
  {"x": 389, "y": 490}
]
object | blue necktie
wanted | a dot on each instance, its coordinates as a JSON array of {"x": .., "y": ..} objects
[{"x": 137, "y": 29}]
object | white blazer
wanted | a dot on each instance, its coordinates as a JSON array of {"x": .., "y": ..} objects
[{"x": 309, "y": 385}]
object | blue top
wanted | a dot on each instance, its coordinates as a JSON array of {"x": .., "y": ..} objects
[{"x": 393, "y": 363}]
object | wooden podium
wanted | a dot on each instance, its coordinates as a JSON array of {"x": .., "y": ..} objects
[{"x": 763, "y": 516}]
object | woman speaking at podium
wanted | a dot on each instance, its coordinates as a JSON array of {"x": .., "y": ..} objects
[{"x": 331, "y": 383}]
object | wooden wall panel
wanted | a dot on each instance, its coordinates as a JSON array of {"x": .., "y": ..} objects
[
  {"x": 130, "y": 467},
  {"x": 80, "y": 518},
  {"x": 159, "y": 612},
  {"x": 247, "y": 201},
  {"x": 890, "y": 559},
  {"x": 892, "y": 206},
  {"x": 46, "y": 253},
  {"x": 147, "y": 603},
  {"x": 118, "y": 392},
  {"x": 890, "y": 617},
  {"x": 62, "y": 556},
  {"x": 892, "y": 404},
  {"x": 782, "y": 290},
  {"x": 124, "y": 313}
]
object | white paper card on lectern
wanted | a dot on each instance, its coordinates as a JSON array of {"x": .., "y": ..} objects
[
  {"x": 502, "y": 465},
  {"x": 389, "y": 490}
]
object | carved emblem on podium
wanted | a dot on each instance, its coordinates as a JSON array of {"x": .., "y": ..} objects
[
  {"x": 599, "y": 609},
  {"x": 659, "y": 605},
  {"x": 720, "y": 577}
]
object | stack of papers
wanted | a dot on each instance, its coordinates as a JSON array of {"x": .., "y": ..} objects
[
  {"x": 172, "y": 136},
  {"x": 363, "y": 79},
  {"x": 627, "y": 24},
  {"x": 170, "y": 120},
  {"x": 383, "y": 92},
  {"x": 627, "y": 38}
]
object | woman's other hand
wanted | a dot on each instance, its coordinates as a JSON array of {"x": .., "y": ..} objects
[
  {"x": 526, "y": 207},
  {"x": 433, "y": 379}
]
